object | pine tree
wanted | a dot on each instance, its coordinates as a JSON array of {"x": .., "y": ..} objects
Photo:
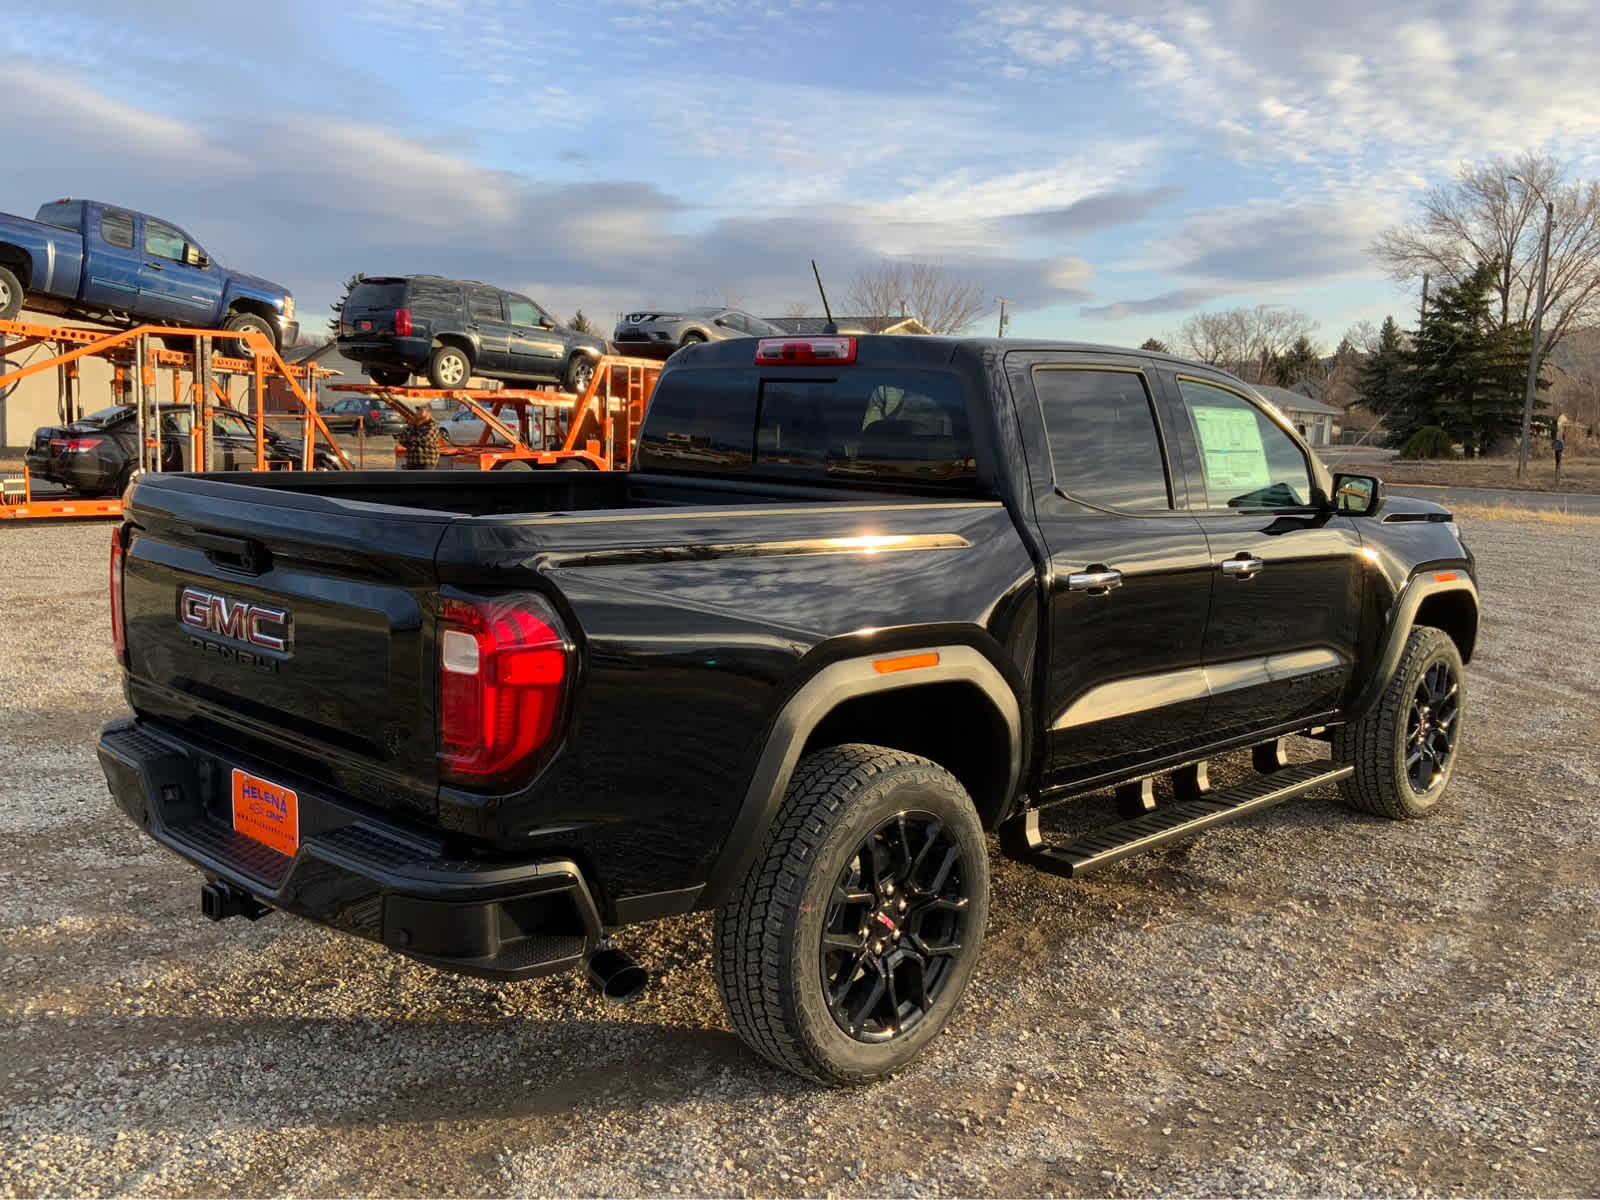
[
  {"x": 1382, "y": 380},
  {"x": 1467, "y": 370},
  {"x": 338, "y": 307},
  {"x": 580, "y": 323},
  {"x": 1300, "y": 361},
  {"x": 1155, "y": 345}
]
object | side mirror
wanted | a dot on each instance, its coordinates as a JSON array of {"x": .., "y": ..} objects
[
  {"x": 721, "y": 321},
  {"x": 195, "y": 257},
  {"x": 1357, "y": 495},
  {"x": 546, "y": 323}
]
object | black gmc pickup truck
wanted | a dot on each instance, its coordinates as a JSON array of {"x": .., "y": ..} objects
[{"x": 860, "y": 601}]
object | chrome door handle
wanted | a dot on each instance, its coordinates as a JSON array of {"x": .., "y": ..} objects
[
  {"x": 155, "y": 266},
  {"x": 1097, "y": 582},
  {"x": 1242, "y": 566}
]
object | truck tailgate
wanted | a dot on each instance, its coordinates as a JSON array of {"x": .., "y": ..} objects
[{"x": 293, "y": 630}]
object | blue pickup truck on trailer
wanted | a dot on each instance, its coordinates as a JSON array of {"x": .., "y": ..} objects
[{"x": 85, "y": 259}]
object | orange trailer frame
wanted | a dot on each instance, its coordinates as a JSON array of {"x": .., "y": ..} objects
[
  {"x": 601, "y": 425},
  {"x": 136, "y": 359}
]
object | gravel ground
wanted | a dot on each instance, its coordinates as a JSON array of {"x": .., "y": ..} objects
[{"x": 1308, "y": 1002}]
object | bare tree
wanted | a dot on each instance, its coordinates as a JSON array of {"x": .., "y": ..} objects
[
  {"x": 799, "y": 308},
  {"x": 1206, "y": 337},
  {"x": 939, "y": 298},
  {"x": 1575, "y": 386},
  {"x": 1485, "y": 216},
  {"x": 1363, "y": 337},
  {"x": 1342, "y": 386},
  {"x": 1246, "y": 341}
]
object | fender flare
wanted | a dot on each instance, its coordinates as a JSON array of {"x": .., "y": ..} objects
[
  {"x": 805, "y": 710},
  {"x": 1419, "y": 587}
]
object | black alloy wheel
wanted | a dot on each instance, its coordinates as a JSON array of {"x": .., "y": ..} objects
[
  {"x": 897, "y": 920},
  {"x": 847, "y": 946},
  {"x": 1404, "y": 747},
  {"x": 1430, "y": 727}
]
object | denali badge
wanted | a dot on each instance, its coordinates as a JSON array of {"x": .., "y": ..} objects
[{"x": 236, "y": 619}]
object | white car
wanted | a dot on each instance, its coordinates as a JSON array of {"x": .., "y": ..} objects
[{"x": 465, "y": 428}]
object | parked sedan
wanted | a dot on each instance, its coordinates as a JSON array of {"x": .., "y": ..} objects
[
  {"x": 466, "y": 428},
  {"x": 657, "y": 334},
  {"x": 97, "y": 454},
  {"x": 353, "y": 412}
]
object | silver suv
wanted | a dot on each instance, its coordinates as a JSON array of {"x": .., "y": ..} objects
[{"x": 657, "y": 334}]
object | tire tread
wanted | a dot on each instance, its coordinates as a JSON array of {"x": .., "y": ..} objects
[
  {"x": 747, "y": 942},
  {"x": 1369, "y": 744}
]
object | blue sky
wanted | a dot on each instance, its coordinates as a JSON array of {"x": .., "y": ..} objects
[{"x": 1111, "y": 169}]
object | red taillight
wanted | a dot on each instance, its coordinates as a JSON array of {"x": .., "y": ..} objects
[
  {"x": 74, "y": 445},
  {"x": 373, "y": 414},
  {"x": 806, "y": 350},
  {"x": 503, "y": 665},
  {"x": 119, "y": 635},
  {"x": 402, "y": 322}
]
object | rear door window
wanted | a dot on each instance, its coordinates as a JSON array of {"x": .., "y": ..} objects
[
  {"x": 116, "y": 228},
  {"x": 1105, "y": 448},
  {"x": 484, "y": 304},
  {"x": 229, "y": 425}
]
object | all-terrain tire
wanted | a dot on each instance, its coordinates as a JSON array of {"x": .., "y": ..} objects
[
  {"x": 240, "y": 322},
  {"x": 11, "y": 295},
  {"x": 449, "y": 368},
  {"x": 819, "y": 884},
  {"x": 580, "y": 371},
  {"x": 1404, "y": 749}
]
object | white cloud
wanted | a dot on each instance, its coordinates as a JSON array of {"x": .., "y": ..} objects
[{"x": 1311, "y": 80}]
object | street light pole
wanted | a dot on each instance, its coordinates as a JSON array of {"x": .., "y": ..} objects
[
  {"x": 1002, "y": 302},
  {"x": 1538, "y": 317}
]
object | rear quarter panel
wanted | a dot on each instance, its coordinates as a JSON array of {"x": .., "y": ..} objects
[
  {"x": 54, "y": 257},
  {"x": 693, "y": 635}
]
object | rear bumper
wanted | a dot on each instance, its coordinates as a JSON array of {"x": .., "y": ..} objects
[
  {"x": 637, "y": 347},
  {"x": 389, "y": 352},
  {"x": 352, "y": 872},
  {"x": 38, "y": 463}
]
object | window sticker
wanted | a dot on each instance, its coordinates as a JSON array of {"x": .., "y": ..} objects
[{"x": 1236, "y": 458}]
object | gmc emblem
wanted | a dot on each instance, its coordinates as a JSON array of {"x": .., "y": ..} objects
[{"x": 236, "y": 619}]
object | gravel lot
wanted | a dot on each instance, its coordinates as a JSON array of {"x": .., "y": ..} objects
[{"x": 1309, "y": 1002}]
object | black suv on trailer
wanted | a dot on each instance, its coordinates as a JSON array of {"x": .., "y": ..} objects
[{"x": 453, "y": 329}]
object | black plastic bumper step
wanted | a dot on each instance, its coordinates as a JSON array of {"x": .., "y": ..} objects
[{"x": 1022, "y": 840}]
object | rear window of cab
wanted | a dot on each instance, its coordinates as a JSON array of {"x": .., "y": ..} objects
[{"x": 856, "y": 424}]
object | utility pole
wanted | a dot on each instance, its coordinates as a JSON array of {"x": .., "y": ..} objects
[
  {"x": 1538, "y": 317},
  {"x": 1002, "y": 301}
]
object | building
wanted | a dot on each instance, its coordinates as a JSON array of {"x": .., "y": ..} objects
[
  {"x": 1316, "y": 421},
  {"x": 325, "y": 355}
]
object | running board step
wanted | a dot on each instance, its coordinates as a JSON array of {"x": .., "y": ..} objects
[{"x": 1021, "y": 839}]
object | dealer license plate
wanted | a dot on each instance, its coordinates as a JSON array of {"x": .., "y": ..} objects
[{"x": 266, "y": 812}]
